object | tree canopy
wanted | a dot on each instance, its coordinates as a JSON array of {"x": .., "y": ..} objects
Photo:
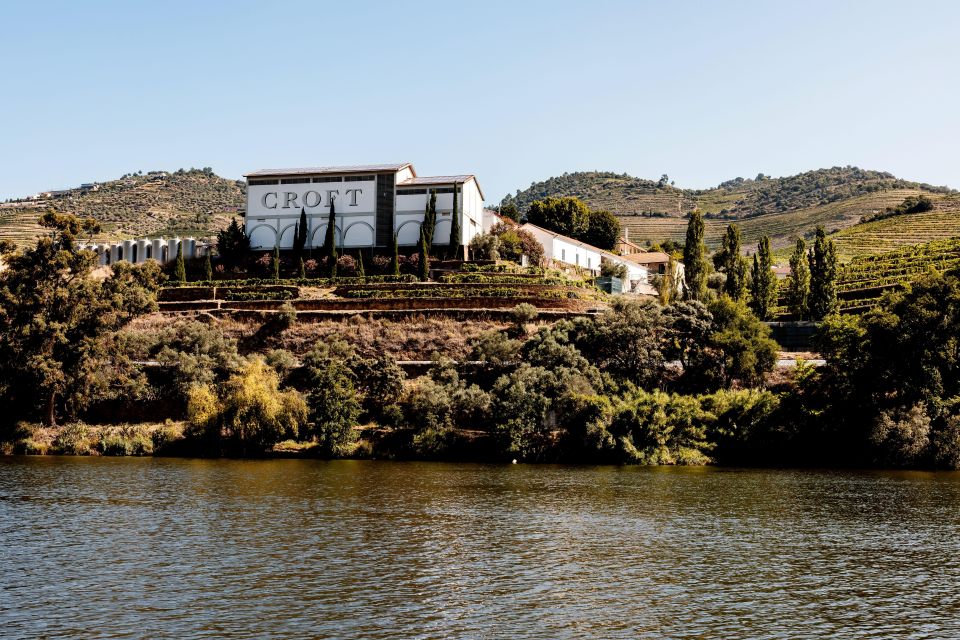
[{"x": 55, "y": 321}]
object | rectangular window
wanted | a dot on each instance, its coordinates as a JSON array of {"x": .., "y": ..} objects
[
  {"x": 576, "y": 259},
  {"x": 358, "y": 179},
  {"x": 411, "y": 192},
  {"x": 563, "y": 255},
  {"x": 588, "y": 262},
  {"x": 295, "y": 181},
  {"x": 254, "y": 183},
  {"x": 328, "y": 179}
]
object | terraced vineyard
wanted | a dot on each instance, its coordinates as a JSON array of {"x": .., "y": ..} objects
[
  {"x": 893, "y": 233},
  {"x": 195, "y": 202},
  {"x": 19, "y": 225},
  {"x": 783, "y": 228},
  {"x": 864, "y": 279}
]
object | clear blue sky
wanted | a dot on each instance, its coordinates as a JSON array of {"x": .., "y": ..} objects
[{"x": 512, "y": 91}]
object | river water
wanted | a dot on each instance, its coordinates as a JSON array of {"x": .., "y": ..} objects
[{"x": 156, "y": 548}]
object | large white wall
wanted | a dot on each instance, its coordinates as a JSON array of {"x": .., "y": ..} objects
[{"x": 274, "y": 210}]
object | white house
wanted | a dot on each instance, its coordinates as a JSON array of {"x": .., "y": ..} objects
[
  {"x": 569, "y": 252},
  {"x": 372, "y": 204}
]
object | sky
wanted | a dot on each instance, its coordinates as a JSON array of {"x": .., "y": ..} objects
[{"x": 514, "y": 92}]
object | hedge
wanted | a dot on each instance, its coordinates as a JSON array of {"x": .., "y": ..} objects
[{"x": 303, "y": 282}]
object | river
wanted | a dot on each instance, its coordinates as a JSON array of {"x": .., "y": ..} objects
[{"x": 154, "y": 548}]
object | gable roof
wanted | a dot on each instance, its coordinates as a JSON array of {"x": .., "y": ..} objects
[
  {"x": 649, "y": 257},
  {"x": 357, "y": 168}
]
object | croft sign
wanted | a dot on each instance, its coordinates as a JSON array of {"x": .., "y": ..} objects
[{"x": 308, "y": 199}]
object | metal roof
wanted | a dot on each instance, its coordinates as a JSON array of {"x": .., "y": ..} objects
[
  {"x": 312, "y": 171},
  {"x": 436, "y": 180}
]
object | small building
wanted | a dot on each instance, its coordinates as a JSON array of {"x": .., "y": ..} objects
[{"x": 560, "y": 250}]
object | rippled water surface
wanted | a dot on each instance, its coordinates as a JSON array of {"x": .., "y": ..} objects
[{"x": 150, "y": 548}]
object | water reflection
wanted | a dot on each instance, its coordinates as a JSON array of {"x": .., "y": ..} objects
[{"x": 290, "y": 549}]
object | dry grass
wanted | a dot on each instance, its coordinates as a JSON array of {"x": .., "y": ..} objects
[{"x": 413, "y": 338}]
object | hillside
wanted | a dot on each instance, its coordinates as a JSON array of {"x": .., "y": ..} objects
[
  {"x": 783, "y": 208},
  {"x": 195, "y": 202}
]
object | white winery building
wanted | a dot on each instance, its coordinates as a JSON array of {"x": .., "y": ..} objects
[{"x": 372, "y": 204}]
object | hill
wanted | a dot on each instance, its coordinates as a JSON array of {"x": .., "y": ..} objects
[
  {"x": 193, "y": 202},
  {"x": 783, "y": 208}
]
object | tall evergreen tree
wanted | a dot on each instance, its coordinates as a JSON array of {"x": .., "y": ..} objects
[
  {"x": 454, "y": 248},
  {"x": 823, "y": 276},
  {"x": 394, "y": 256},
  {"x": 330, "y": 240},
  {"x": 275, "y": 263},
  {"x": 207, "y": 268},
  {"x": 734, "y": 265},
  {"x": 303, "y": 269},
  {"x": 430, "y": 220},
  {"x": 300, "y": 234},
  {"x": 763, "y": 289},
  {"x": 423, "y": 265},
  {"x": 798, "y": 293},
  {"x": 180, "y": 268},
  {"x": 360, "y": 270},
  {"x": 233, "y": 243},
  {"x": 694, "y": 259}
]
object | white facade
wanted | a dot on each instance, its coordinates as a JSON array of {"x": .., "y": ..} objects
[
  {"x": 372, "y": 204},
  {"x": 570, "y": 252},
  {"x": 139, "y": 251}
]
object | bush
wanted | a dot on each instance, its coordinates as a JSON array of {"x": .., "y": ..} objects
[
  {"x": 167, "y": 437},
  {"x": 516, "y": 242},
  {"x": 485, "y": 246},
  {"x": 73, "y": 440},
  {"x": 661, "y": 428},
  {"x": 613, "y": 270},
  {"x": 248, "y": 411},
  {"x": 191, "y": 353},
  {"x": 333, "y": 402},
  {"x": 127, "y": 440}
]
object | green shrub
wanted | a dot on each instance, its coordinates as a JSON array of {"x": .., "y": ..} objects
[
  {"x": 73, "y": 440},
  {"x": 128, "y": 440},
  {"x": 167, "y": 437}
]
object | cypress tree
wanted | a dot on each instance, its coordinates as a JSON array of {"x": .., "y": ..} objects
[
  {"x": 300, "y": 234},
  {"x": 694, "y": 259},
  {"x": 423, "y": 266},
  {"x": 394, "y": 257},
  {"x": 430, "y": 220},
  {"x": 275, "y": 263},
  {"x": 360, "y": 272},
  {"x": 207, "y": 268},
  {"x": 180, "y": 268},
  {"x": 454, "y": 248},
  {"x": 799, "y": 288},
  {"x": 303, "y": 269},
  {"x": 330, "y": 240},
  {"x": 823, "y": 276},
  {"x": 733, "y": 264},
  {"x": 764, "y": 286}
]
